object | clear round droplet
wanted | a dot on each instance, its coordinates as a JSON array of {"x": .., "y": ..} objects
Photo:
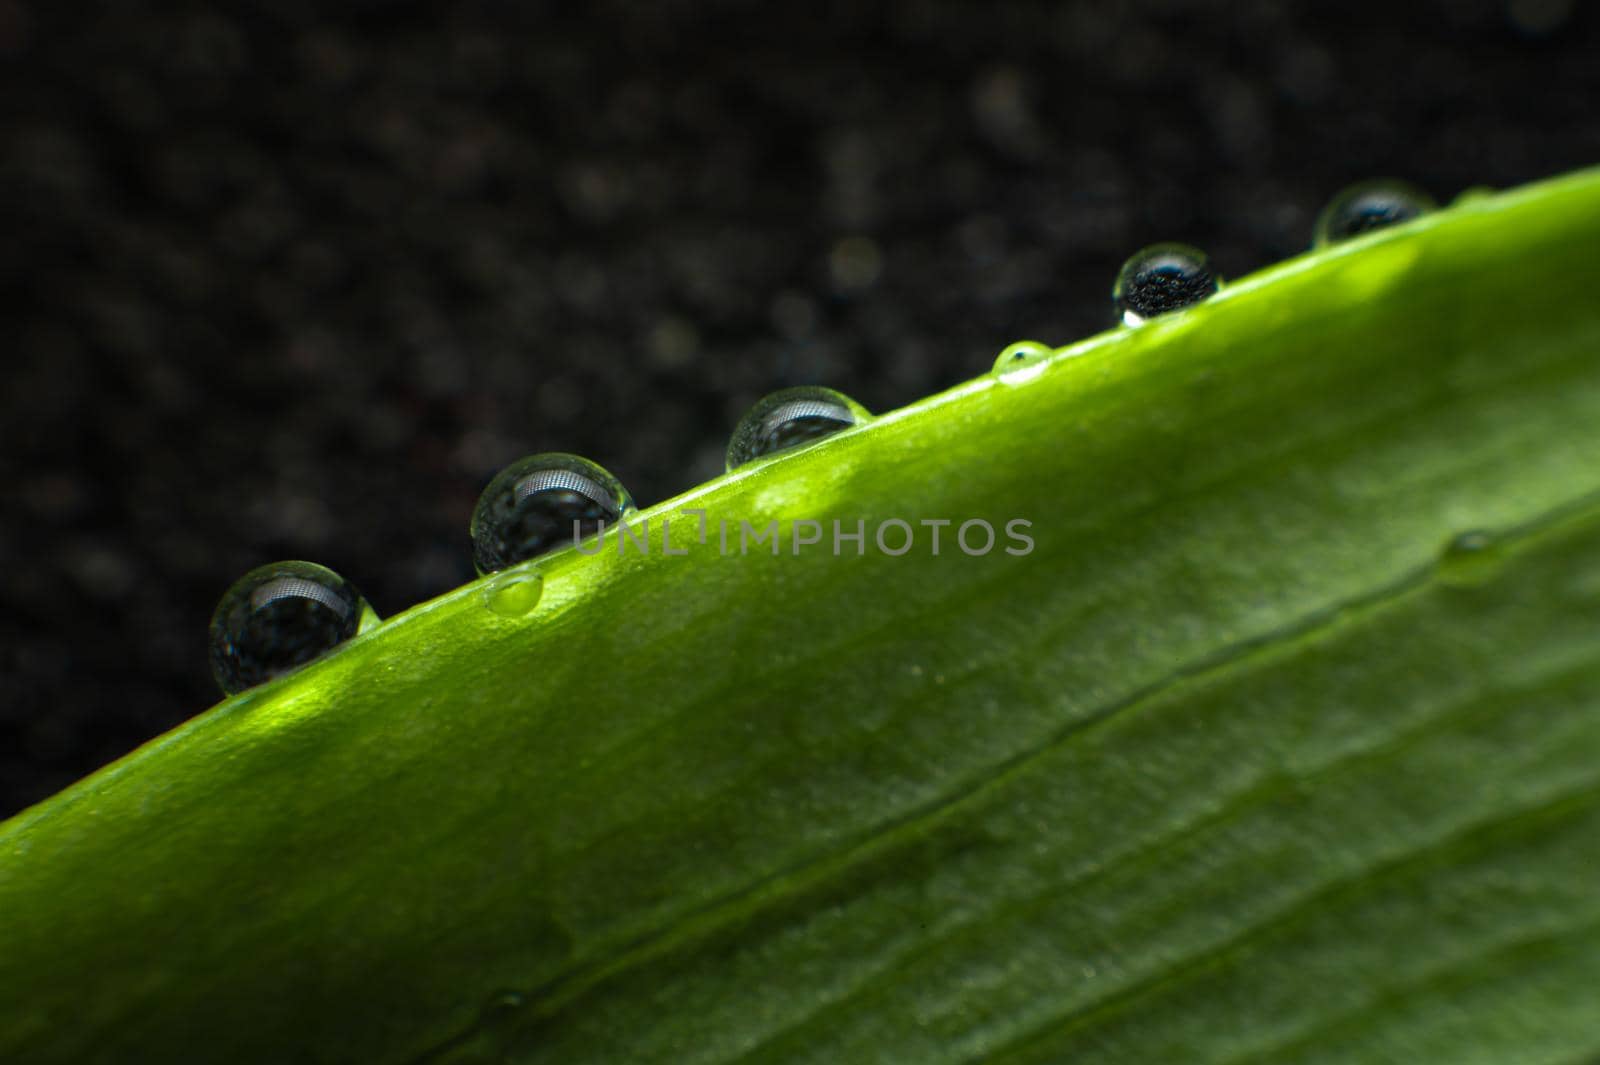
[
  {"x": 513, "y": 595},
  {"x": 280, "y": 616},
  {"x": 1369, "y": 205},
  {"x": 1022, "y": 361},
  {"x": 540, "y": 503},
  {"x": 1161, "y": 279},
  {"x": 790, "y": 418}
]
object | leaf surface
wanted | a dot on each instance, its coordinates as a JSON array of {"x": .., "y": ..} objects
[{"x": 1281, "y": 744}]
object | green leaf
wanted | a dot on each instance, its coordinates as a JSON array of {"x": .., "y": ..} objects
[{"x": 1282, "y": 744}]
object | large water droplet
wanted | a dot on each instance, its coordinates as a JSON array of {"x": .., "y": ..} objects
[
  {"x": 1369, "y": 205},
  {"x": 280, "y": 616},
  {"x": 789, "y": 418},
  {"x": 1470, "y": 560},
  {"x": 1022, "y": 361},
  {"x": 514, "y": 594},
  {"x": 1161, "y": 279},
  {"x": 539, "y": 503}
]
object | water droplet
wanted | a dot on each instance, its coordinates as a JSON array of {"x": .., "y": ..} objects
[
  {"x": 280, "y": 616},
  {"x": 1163, "y": 278},
  {"x": 502, "y": 1007},
  {"x": 1369, "y": 205},
  {"x": 1470, "y": 560},
  {"x": 513, "y": 595},
  {"x": 789, "y": 418},
  {"x": 487, "y": 1041},
  {"x": 1022, "y": 361},
  {"x": 537, "y": 503}
]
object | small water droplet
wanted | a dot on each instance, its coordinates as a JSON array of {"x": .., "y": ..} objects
[
  {"x": 1369, "y": 205},
  {"x": 513, "y": 595},
  {"x": 280, "y": 616},
  {"x": 502, "y": 1007},
  {"x": 486, "y": 1042},
  {"x": 531, "y": 506},
  {"x": 789, "y": 418},
  {"x": 1022, "y": 361},
  {"x": 1470, "y": 560},
  {"x": 1161, "y": 279}
]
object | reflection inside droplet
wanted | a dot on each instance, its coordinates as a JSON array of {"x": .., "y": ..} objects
[
  {"x": 278, "y": 617},
  {"x": 540, "y": 503},
  {"x": 1161, "y": 279},
  {"x": 789, "y": 419},
  {"x": 1369, "y": 205}
]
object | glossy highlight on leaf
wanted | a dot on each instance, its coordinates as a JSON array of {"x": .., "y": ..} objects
[{"x": 1282, "y": 744}]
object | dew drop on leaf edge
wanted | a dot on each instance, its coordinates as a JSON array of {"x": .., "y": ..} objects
[
  {"x": 1022, "y": 361},
  {"x": 1160, "y": 279},
  {"x": 1369, "y": 205},
  {"x": 513, "y": 595},
  {"x": 790, "y": 418},
  {"x": 278, "y": 617},
  {"x": 538, "y": 503},
  {"x": 1470, "y": 560}
]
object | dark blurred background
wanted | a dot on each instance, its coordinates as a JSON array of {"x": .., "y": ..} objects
[{"x": 289, "y": 282}]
